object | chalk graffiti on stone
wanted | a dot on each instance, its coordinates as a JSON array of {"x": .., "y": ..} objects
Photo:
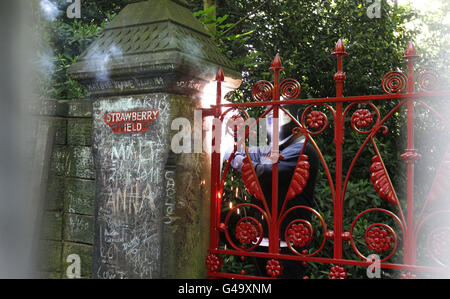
[
  {"x": 169, "y": 217},
  {"x": 131, "y": 121},
  {"x": 156, "y": 82},
  {"x": 130, "y": 195},
  {"x": 192, "y": 84}
]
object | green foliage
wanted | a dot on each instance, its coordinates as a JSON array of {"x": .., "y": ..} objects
[
  {"x": 207, "y": 18},
  {"x": 433, "y": 45},
  {"x": 304, "y": 34},
  {"x": 63, "y": 40}
]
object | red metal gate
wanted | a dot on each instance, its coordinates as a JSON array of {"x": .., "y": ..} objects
[{"x": 242, "y": 237}]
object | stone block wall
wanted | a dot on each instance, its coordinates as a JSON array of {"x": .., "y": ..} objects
[{"x": 67, "y": 219}]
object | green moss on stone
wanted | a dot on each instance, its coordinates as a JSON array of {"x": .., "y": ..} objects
[
  {"x": 79, "y": 228},
  {"x": 79, "y": 131},
  {"x": 80, "y": 163},
  {"x": 52, "y": 226},
  {"x": 54, "y": 199},
  {"x": 50, "y": 257},
  {"x": 59, "y": 160},
  {"x": 79, "y": 196}
]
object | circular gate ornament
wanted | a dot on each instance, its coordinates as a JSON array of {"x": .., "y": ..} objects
[
  {"x": 247, "y": 232},
  {"x": 337, "y": 272},
  {"x": 378, "y": 239},
  {"x": 362, "y": 118},
  {"x": 316, "y": 120},
  {"x": 299, "y": 235},
  {"x": 262, "y": 91},
  {"x": 394, "y": 82},
  {"x": 213, "y": 263},
  {"x": 274, "y": 268}
]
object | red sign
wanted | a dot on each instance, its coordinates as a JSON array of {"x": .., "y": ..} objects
[{"x": 131, "y": 121}]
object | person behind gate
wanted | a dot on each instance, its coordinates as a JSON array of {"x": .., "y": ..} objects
[{"x": 291, "y": 146}]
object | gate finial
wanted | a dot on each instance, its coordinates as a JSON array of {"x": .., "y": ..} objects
[
  {"x": 219, "y": 75},
  {"x": 339, "y": 49},
  {"x": 410, "y": 52},
  {"x": 339, "y": 77},
  {"x": 276, "y": 63}
]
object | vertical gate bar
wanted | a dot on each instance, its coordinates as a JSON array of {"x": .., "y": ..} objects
[
  {"x": 410, "y": 246},
  {"x": 339, "y": 78},
  {"x": 215, "y": 168},
  {"x": 274, "y": 233},
  {"x": 338, "y": 202}
]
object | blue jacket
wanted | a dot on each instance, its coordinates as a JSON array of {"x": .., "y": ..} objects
[{"x": 286, "y": 168}]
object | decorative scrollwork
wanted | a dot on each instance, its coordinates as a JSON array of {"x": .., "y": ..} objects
[
  {"x": 379, "y": 237},
  {"x": 299, "y": 178},
  {"x": 213, "y": 263},
  {"x": 438, "y": 245},
  {"x": 274, "y": 268},
  {"x": 427, "y": 79},
  {"x": 337, "y": 272},
  {"x": 381, "y": 181},
  {"x": 410, "y": 156},
  {"x": 316, "y": 120},
  {"x": 262, "y": 91},
  {"x": 290, "y": 89},
  {"x": 394, "y": 82},
  {"x": 248, "y": 230},
  {"x": 235, "y": 125},
  {"x": 299, "y": 233},
  {"x": 250, "y": 179},
  {"x": 362, "y": 118}
]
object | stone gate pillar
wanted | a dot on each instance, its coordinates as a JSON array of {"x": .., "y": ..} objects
[{"x": 149, "y": 67}]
